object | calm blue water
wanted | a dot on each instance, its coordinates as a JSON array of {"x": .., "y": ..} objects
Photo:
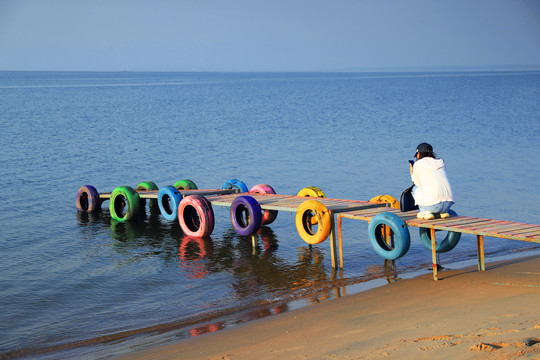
[{"x": 91, "y": 288}]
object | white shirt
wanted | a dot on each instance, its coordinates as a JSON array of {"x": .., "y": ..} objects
[{"x": 431, "y": 183}]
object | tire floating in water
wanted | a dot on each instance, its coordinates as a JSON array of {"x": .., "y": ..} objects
[
  {"x": 124, "y": 204},
  {"x": 88, "y": 199},
  {"x": 168, "y": 201},
  {"x": 246, "y": 215},
  {"x": 196, "y": 216}
]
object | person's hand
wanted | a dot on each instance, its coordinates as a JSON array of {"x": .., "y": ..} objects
[{"x": 411, "y": 168}]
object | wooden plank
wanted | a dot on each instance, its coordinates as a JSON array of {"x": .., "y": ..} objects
[
  {"x": 493, "y": 225},
  {"x": 469, "y": 226},
  {"x": 520, "y": 231},
  {"x": 464, "y": 223},
  {"x": 291, "y": 203},
  {"x": 499, "y": 235}
]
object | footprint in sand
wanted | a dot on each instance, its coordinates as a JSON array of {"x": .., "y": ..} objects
[
  {"x": 488, "y": 347},
  {"x": 441, "y": 346}
]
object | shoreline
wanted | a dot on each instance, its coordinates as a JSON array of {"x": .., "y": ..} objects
[{"x": 413, "y": 318}]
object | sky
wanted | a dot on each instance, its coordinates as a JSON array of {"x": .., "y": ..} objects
[{"x": 267, "y": 35}]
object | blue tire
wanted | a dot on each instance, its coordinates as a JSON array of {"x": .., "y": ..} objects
[
  {"x": 168, "y": 200},
  {"x": 401, "y": 238},
  {"x": 236, "y": 184},
  {"x": 450, "y": 241},
  {"x": 246, "y": 216}
]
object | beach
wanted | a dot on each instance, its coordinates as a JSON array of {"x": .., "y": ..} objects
[{"x": 467, "y": 314}]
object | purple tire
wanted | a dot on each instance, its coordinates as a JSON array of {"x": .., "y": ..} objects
[
  {"x": 268, "y": 216},
  {"x": 88, "y": 199},
  {"x": 246, "y": 215}
]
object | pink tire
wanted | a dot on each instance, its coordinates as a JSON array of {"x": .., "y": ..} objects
[
  {"x": 196, "y": 216},
  {"x": 269, "y": 215}
]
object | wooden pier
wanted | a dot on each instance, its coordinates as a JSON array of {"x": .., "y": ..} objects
[
  {"x": 315, "y": 216},
  {"x": 291, "y": 204},
  {"x": 153, "y": 194},
  {"x": 462, "y": 224}
]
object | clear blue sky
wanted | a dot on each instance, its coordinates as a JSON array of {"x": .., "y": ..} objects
[{"x": 261, "y": 35}]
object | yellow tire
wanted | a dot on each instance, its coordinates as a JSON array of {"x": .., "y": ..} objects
[
  {"x": 386, "y": 199},
  {"x": 311, "y": 191},
  {"x": 308, "y": 210}
]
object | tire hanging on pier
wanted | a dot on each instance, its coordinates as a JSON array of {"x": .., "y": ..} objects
[
  {"x": 309, "y": 214},
  {"x": 269, "y": 216},
  {"x": 246, "y": 215},
  {"x": 124, "y": 204},
  {"x": 168, "y": 201},
  {"x": 311, "y": 191},
  {"x": 185, "y": 184},
  {"x": 196, "y": 216},
  {"x": 88, "y": 199},
  {"x": 386, "y": 199},
  {"x": 146, "y": 186},
  {"x": 236, "y": 184},
  {"x": 389, "y": 247},
  {"x": 448, "y": 243}
]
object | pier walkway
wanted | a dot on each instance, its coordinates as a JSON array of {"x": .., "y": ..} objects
[{"x": 457, "y": 224}]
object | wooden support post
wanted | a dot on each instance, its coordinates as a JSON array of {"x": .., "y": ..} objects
[
  {"x": 434, "y": 254},
  {"x": 340, "y": 243},
  {"x": 254, "y": 244},
  {"x": 333, "y": 253},
  {"x": 480, "y": 245}
]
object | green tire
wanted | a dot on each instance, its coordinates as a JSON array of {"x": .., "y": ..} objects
[
  {"x": 185, "y": 184},
  {"x": 124, "y": 204}
]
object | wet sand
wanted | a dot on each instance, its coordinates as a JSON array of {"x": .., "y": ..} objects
[{"x": 465, "y": 315}]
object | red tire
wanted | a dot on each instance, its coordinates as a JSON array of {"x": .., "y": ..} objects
[
  {"x": 196, "y": 216},
  {"x": 269, "y": 215}
]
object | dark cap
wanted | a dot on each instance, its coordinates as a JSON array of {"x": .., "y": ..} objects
[{"x": 423, "y": 148}]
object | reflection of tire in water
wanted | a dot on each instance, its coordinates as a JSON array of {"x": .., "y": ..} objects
[
  {"x": 193, "y": 253},
  {"x": 309, "y": 256},
  {"x": 84, "y": 217},
  {"x": 126, "y": 231},
  {"x": 268, "y": 239},
  {"x": 192, "y": 248},
  {"x": 201, "y": 330}
]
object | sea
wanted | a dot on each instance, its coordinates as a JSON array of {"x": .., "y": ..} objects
[{"x": 78, "y": 285}]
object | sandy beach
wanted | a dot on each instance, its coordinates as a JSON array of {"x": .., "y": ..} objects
[{"x": 465, "y": 315}]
